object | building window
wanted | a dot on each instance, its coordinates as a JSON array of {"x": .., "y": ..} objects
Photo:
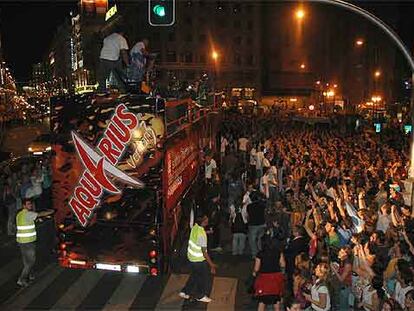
[
  {"x": 237, "y": 24},
  {"x": 237, "y": 40},
  {"x": 237, "y": 59},
  {"x": 236, "y": 92},
  {"x": 250, "y": 60},
  {"x": 250, "y": 25},
  {"x": 188, "y": 57},
  {"x": 237, "y": 9},
  {"x": 202, "y": 38},
  {"x": 171, "y": 37},
  {"x": 189, "y": 38},
  {"x": 171, "y": 57},
  {"x": 190, "y": 75}
]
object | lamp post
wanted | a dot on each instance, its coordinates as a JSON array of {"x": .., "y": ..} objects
[{"x": 215, "y": 57}]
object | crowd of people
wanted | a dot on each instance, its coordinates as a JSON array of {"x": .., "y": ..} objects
[
  {"x": 323, "y": 213},
  {"x": 30, "y": 180}
]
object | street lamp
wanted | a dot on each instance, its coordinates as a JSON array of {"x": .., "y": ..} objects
[
  {"x": 302, "y": 66},
  {"x": 214, "y": 55},
  {"x": 300, "y": 14},
  {"x": 377, "y": 74},
  {"x": 359, "y": 42}
]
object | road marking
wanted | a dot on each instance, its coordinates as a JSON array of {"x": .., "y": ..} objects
[
  {"x": 9, "y": 270},
  {"x": 223, "y": 294},
  {"x": 25, "y": 296},
  {"x": 170, "y": 299},
  {"x": 79, "y": 290},
  {"x": 126, "y": 292}
]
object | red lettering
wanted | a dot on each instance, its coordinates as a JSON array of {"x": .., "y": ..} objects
[
  {"x": 81, "y": 212},
  {"x": 106, "y": 147},
  {"x": 125, "y": 136},
  {"x": 91, "y": 185},
  {"x": 113, "y": 138},
  {"x": 85, "y": 198},
  {"x": 132, "y": 118},
  {"x": 97, "y": 171}
]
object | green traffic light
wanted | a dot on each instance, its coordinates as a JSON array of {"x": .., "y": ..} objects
[{"x": 159, "y": 10}]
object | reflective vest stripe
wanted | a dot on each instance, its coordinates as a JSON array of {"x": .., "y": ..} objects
[
  {"x": 26, "y": 227},
  {"x": 194, "y": 253},
  {"x": 25, "y": 235},
  {"x": 193, "y": 245}
]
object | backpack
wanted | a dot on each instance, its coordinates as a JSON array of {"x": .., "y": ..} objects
[{"x": 238, "y": 225}]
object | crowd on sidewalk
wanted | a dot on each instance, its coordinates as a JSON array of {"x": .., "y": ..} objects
[
  {"x": 30, "y": 180},
  {"x": 323, "y": 214}
]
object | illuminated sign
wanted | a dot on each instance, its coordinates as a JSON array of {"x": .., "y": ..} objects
[
  {"x": 111, "y": 12},
  {"x": 100, "y": 165},
  {"x": 85, "y": 89}
]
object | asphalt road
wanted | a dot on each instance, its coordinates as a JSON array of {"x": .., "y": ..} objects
[
  {"x": 17, "y": 139},
  {"x": 57, "y": 288}
]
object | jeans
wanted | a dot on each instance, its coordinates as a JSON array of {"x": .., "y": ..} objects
[
  {"x": 28, "y": 251},
  {"x": 344, "y": 296},
  {"x": 255, "y": 234},
  {"x": 105, "y": 69},
  {"x": 239, "y": 243},
  {"x": 199, "y": 283}
]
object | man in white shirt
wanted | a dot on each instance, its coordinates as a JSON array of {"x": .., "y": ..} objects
[
  {"x": 210, "y": 168},
  {"x": 113, "y": 53},
  {"x": 223, "y": 146}
]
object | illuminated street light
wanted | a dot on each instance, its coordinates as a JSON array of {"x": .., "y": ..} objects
[
  {"x": 335, "y": 86},
  {"x": 318, "y": 82},
  {"x": 302, "y": 66},
  {"x": 359, "y": 42},
  {"x": 376, "y": 98},
  {"x": 377, "y": 74},
  {"x": 300, "y": 14},
  {"x": 214, "y": 55}
]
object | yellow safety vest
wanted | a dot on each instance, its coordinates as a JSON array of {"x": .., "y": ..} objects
[
  {"x": 26, "y": 231},
  {"x": 194, "y": 252}
]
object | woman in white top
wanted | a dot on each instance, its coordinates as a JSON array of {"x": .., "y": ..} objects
[
  {"x": 370, "y": 300},
  {"x": 319, "y": 297}
]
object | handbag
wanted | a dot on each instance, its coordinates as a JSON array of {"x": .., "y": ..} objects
[{"x": 269, "y": 284}]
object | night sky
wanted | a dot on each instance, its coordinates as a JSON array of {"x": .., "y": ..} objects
[{"x": 27, "y": 27}]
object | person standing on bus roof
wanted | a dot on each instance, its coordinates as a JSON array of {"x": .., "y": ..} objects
[
  {"x": 200, "y": 278},
  {"x": 26, "y": 238},
  {"x": 113, "y": 54}
]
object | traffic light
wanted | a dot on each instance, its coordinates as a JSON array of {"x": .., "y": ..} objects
[{"x": 161, "y": 12}]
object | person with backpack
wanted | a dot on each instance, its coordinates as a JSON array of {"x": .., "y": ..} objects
[{"x": 238, "y": 224}]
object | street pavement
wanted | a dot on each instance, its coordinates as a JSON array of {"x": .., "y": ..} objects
[
  {"x": 57, "y": 288},
  {"x": 17, "y": 139}
]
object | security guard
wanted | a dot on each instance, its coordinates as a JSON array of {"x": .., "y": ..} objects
[
  {"x": 200, "y": 279},
  {"x": 26, "y": 238}
]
